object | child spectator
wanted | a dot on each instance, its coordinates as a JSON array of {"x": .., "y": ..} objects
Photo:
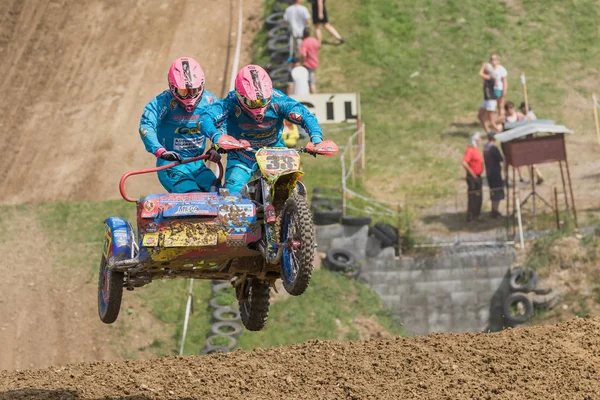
[
  {"x": 297, "y": 79},
  {"x": 530, "y": 115},
  {"x": 489, "y": 104},
  {"x": 298, "y": 18},
  {"x": 309, "y": 53},
  {"x": 319, "y": 16}
]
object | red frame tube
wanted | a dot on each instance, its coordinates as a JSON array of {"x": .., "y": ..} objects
[{"x": 156, "y": 169}]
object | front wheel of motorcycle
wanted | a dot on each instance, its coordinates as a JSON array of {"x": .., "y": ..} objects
[
  {"x": 110, "y": 293},
  {"x": 298, "y": 242}
]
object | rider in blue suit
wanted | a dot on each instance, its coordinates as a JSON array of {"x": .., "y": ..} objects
[
  {"x": 254, "y": 111},
  {"x": 169, "y": 130}
]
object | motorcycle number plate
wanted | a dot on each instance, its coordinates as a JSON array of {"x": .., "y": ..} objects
[
  {"x": 191, "y": 235},
  {"x": 276, "y": 161}
]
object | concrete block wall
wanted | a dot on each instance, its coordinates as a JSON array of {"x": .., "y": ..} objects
[
  {"x": 460, "y": 290},
  {"x": 448, "y": 293}
]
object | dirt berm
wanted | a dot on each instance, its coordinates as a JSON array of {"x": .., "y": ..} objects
[{"x": 557, "y": 362}]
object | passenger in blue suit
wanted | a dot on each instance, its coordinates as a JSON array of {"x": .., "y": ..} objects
[
  {"x": 254, "y": 111},
  {"x": 169, "y": 129}
]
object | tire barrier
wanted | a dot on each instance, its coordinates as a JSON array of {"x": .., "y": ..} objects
[
  {"x": 342, "y": 261},
  {"x": 281, "y": 5},
  {"x": 278, "y": 30},
  {"x": 226, "y": 324},
  {"x": 274, "y": 19},
  {"x": 523, "y": 280},
  {"x": 517, "y": 308}
]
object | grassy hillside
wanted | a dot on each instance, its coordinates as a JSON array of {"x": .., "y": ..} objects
[
  {"x": 417, "y": 127},
  {"x": 326, "y": 311}
]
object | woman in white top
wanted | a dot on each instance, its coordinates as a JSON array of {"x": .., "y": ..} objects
[{"x": 500, "y": 82}]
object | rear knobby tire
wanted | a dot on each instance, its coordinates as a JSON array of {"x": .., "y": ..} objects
[
  {"x": 297, "y": 262},
  {"x": 110, "y": 293},
  {"x": 254, "y": 310}
]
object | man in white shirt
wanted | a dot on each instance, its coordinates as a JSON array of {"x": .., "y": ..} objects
[
  {"x": 298, "y": 18},
  {"x": 500, "y": 82}
]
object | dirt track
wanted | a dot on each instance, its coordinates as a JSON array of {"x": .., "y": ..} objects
[
  {"x": 75, "y": 76},
  {"x": 561, "y": 361}
]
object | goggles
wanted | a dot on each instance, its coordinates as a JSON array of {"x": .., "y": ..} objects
[
  {"x": 253, "y": 104},
  {"x": 188, "y": 93}
]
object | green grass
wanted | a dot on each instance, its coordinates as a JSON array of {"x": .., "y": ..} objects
[
  {"x": 412, "y": 146},
  {"x": 324, "y": 311}
]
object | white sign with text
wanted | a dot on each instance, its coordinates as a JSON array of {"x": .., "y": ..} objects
[{"x": 331, "y": 108}]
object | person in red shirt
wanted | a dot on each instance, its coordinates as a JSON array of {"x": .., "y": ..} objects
[
  {"x": 309, "y": 52},
  {"x": 473, "y": 164}
]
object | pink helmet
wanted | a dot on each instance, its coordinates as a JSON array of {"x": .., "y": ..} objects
[
  {"x": 186, "y": 82},
  {"x": 254, "y": 90}
]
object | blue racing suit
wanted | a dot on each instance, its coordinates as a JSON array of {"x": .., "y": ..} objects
[
  {"x": 166, "y": 125},
  {"x": 227, "y": 116}
]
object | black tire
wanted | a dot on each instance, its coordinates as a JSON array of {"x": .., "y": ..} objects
[
  {"x": 280, "y": 74},
  {"x": 327, "y": 217},
  {"x": 296, "y": 226},
  {"x": 279, "y": 43},
  {"x": 523, "y": 280},
  {"x": 110, "y": 293},
  {"x": 340, "y": 260},
  {"x": 221, "y": 287},
  {"x": 389, "y": 230},
  {"x": 279, "y": 57},
  {"x": 218, "y": 314},
  {"x": 229, "y": 346},
  {"x": 356, "y": 221},
  {"x": 214, "y": 349},
  {"x": 511, "y": 302},
  {"x": 383, "y": 238},
  {"x": 274, "y": 19},
  {"x": 278, "y": 30},
  {"x": 546, "y": 302},
  {"x": 218, "y": 328},
  {"x": 255, "y": 309}
]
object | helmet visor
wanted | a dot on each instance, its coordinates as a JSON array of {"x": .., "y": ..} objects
[
  {"x": 188, "y": 93},
  {"x": 253, "y": 104}
]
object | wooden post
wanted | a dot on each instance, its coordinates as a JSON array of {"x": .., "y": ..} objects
[
  {"x": 595, "y": 106},
  {"x": 506, "y": 178},
  {"x": 359, "y": 138},
  {"x": 514, "y": 202},
  {"x": 524, "y": 83},
  {"x": 344, "y": 200},
  {"x": 572, "y": 198},
  {"x": 562, "y": 176},
  {"x": 556, "y": 209},
  {"x": 364, "y": 148},
  {"x": 352, "y": 166}
]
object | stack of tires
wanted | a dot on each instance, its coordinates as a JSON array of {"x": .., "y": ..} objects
[
  {"x": 326, "y": 206},
  {"x": 518, "y": 306},
  {"x": 278, "y": 45},
  {"x": 226, "y": 324},
  {"x": 387, "y": 234}
]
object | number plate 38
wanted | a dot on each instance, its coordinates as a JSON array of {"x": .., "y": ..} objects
[{"x": 277, "y": 161}]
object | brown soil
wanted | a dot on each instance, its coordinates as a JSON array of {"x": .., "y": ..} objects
[
  {"x": 76, "y": 75},
  {"x": 558, "y": 362}
]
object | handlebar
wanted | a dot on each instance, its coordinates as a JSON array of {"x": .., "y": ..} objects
[{"x": 156, "y": 169}]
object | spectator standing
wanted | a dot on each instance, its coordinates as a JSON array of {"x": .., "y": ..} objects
[
  {"x": 489, "y": 104},
  {"x": 298, "y": 18},
  {"x": 473, "y": 164},
  {"x": 500, "y": 82},
  {"x": 297, "y": 79},
  {"x": 309, "y": 53},
  {"x": 320, "y": 18},
  {"x": 493, "y": 170}
]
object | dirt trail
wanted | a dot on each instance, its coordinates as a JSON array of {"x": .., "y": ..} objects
[
  {"x": 77, "y": 75},
  {"x": 558, "y": 362}
]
